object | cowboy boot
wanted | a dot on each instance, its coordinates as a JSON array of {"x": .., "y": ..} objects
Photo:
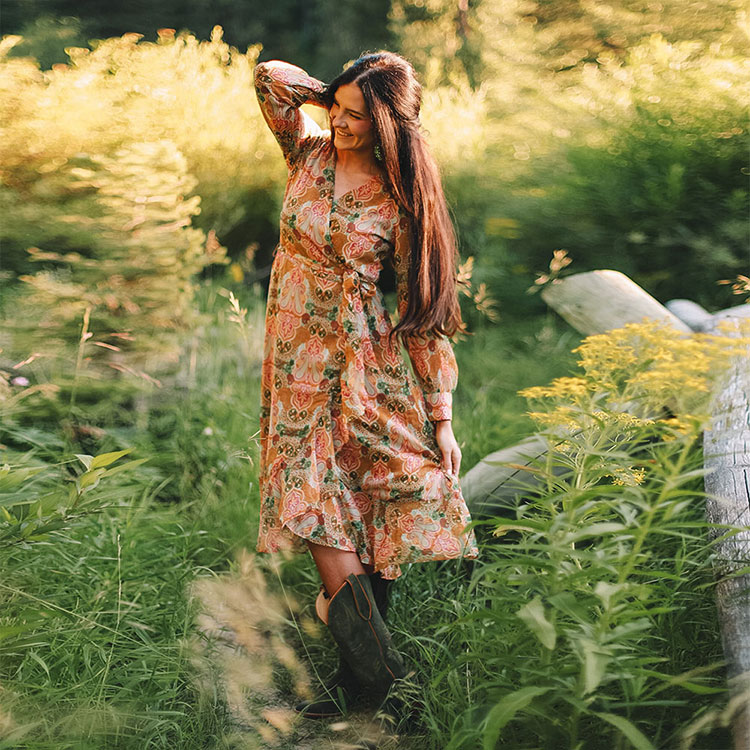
[
  {"x": 338, "y": 692},
  {"x": 358, "y": 628},
  {"x": 342, "y": 688},
  {"x": 339, "y": 689}
]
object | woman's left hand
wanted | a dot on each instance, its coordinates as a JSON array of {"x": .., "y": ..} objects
[{"x": 450, "y": 452}]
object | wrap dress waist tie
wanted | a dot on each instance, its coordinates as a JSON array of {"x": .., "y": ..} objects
[{"x": 358, "y": 392}]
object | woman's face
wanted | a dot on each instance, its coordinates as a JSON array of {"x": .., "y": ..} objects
[{"x": 350, "y": 120}]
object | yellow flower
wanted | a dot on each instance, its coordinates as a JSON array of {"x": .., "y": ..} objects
[
  {"x": 558, "y": 387},
  {"x": 628, "y": 477},
  {"x": 562, "y": 416},
  {"x": 236, "y": 272},
  {"x": 682, "y": 426},
  {"x": 639, "y": 370},
  {"x": 621, "y": 418}
]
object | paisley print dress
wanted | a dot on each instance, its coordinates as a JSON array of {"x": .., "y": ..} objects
[{"x": 348, "y": 454}]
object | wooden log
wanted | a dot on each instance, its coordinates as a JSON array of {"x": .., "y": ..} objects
[
  {"x": 726, "y": 448},
  {"x": 739, "y": 311},
  {"x": 598, "y": 301},
  {"x": 500, "y": 480}
]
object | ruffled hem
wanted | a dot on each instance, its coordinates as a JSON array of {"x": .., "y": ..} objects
[
  {"x": 383, "y": 534},
  {"x": 287, "y": 539}
]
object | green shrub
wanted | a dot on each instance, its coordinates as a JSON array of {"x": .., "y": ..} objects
[
  {"x": 134, "y": 270},
  {"x": 106, "y": 165},
  {"x": 589, "y": 620},
  {"x": 657, "y": 189}
]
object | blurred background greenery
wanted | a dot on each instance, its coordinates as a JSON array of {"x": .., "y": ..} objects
[{"x": 139, "y": 200}]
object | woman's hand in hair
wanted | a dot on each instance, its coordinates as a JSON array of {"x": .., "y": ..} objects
[
  {"x": 321, "y": 98},
  {"x": 450, "y": 452}
]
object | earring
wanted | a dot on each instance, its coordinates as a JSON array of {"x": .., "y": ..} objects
[{"x": 378, "y": 152}]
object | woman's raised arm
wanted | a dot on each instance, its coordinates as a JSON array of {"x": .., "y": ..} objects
[{"x": 282, "y": 89}]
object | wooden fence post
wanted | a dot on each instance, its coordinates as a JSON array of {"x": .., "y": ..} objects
[{"x": 726, "y": 449}]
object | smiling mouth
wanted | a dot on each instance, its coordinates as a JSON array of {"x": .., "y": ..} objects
[{"x": 343, "y": 135}]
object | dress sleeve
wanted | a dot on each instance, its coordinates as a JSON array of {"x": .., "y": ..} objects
[
  {"x": 282, "y": 89},
  {"x": 431, "y": 353}
]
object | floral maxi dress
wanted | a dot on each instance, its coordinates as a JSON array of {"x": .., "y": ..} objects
[{"x": 348, "y": 456}]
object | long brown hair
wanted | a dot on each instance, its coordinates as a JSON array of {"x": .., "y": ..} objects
[{"x": 394, "y": 97}]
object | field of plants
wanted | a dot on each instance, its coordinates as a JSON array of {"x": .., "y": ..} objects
[{"x": 139, "y": 196}]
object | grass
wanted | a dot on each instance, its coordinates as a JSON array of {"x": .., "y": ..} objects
[{"x": 147, "y": 625}]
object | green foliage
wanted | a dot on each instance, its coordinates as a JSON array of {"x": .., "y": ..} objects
[
  {"x": 588, "y": 619},
  {"x": 456, "y": 42},
  {"x": 122, "y": 93},
  {"x": 45, "y": 492},
  {"x": 612, "y": 132},
  {"x": 135, "y": 272},
  {"x": 95, "y": 635},
  {"x": 591, "y": 616},
  {"x": 322, "y": 34},
  {"x": 659, "y": 178},
  {"x": 45, "y": 37},
  {"x": 93, "y": 649},
  {"x": 599, "y": 574},
  {"x": 106, "y": 203},
  {"x": 35, "y": 502}
]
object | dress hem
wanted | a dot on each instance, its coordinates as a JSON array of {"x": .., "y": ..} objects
[{"x": 296, "y": 545}]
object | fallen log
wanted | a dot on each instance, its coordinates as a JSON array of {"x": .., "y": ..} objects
[
  {"x": 698, "y": 318},
  {"x": 690, "y": 313},
  {"x": 726, "y": 450},
  {"x": 500, "y": 480},
  {"x": 598, "y": 301}
]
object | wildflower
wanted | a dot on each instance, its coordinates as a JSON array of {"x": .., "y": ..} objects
[
  {"x": 740, "y": 285},
  {"x": 559, "y": 387},
  {"x": 621, "y": 418},
  {"x": 560, "y": 259},
  {"x": 681, "y": 426},
  {"x": 236, "y": 272},
  {"x": 656, "y": 364},
  {"x": 628, "y": 477},
  {"x": 20, "y": 381},
  {"x": 208, "y": 431},
  {"x": 562, "y": 416},
  {"x": 485, "y": 304},
  {"x": 463, "y": 279}
]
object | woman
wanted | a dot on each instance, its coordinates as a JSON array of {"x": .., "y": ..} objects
[{"x": 358, "y": 460}]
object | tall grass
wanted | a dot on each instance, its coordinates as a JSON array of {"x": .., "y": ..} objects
[
  {"x": 146, "y": 625},
  {"x": 96, "y": 618}
]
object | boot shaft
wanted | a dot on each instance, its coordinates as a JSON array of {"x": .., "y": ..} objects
[{"x": 357, "y": 626}]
